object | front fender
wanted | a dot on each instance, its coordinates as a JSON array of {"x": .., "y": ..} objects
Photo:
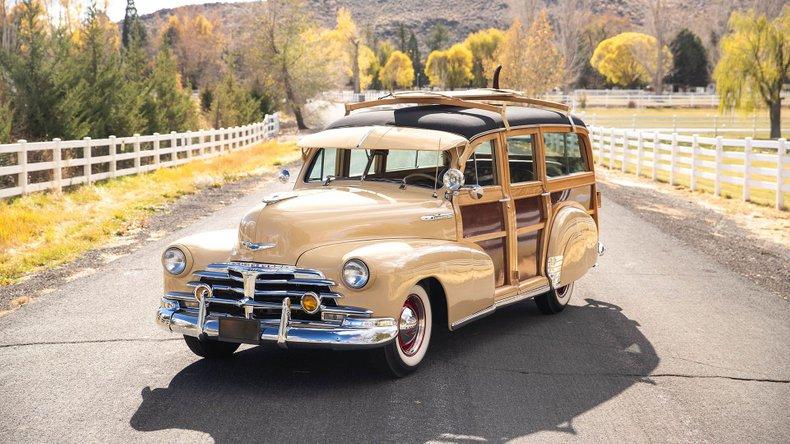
[
  {"x": 200, "y": 249},
  {"x": 465, "y": 272}
]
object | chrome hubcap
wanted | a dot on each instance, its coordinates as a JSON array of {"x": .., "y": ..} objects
[{"x": 411, "y": 325}]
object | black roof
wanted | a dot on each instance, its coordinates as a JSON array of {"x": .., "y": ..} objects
[{"x": 452, "y": 119}]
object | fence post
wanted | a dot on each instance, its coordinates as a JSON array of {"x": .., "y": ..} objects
[
  {"x": 626, "y": 147},
  {"x": 656, "y": 146},
  {"x": 715, "y": 125},
  {"x": 87, "y": 154},
  {"x": 113, "y": 157},
  {"x": 57, "y": 156},
  {"x": 137, "y": 153},
  {"x": 174, "y": 147},
  {"x": 640, "y": 147},
  {"x": 22, "y": 161},
  {"x": 747, "y": 154},
  {"x": 673, "y": 158},
  {"x": 156, "y": 150},
  {"x": 719, "y": 161},
  {"x": 611, "y": 148},
  {"x": 780, "y": 157},
  {"x": 694, "y": 152}
]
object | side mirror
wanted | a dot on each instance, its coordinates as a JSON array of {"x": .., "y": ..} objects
[
  {"x": 284, "y": 176},
  {"x": 453, "y": 179},
  {"x": 476, "y": 192}
]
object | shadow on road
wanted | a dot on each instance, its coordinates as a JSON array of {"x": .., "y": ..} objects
[{"x": 509, "y": 375}]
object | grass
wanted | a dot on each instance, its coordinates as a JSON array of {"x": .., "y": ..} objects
[
  {"x": 685, "y": 118},
  {"x": 48, "y": 229}
]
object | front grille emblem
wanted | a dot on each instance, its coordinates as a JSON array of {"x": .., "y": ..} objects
[{"x": 250, "y": 278}]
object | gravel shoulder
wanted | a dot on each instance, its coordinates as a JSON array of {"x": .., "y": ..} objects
[{"x": 751, "y": 240}]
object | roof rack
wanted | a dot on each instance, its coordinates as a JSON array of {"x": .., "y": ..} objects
[{"x": 471, "y": 99}]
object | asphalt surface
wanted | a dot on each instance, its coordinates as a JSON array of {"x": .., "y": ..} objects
[{"x": 660, "y": 343}]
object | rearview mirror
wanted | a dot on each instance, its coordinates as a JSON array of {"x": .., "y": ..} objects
[{"x": 453, "y": 179}]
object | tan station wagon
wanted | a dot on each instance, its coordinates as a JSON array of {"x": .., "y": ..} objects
[{"x": 414, "y": 212}]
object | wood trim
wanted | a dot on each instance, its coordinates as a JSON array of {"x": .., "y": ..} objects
[
  {"x": 532, "y": 283},
  {"x": 493, "y": 193},
  {"x": 574, "y": 180},
  {"x": 486, "y": 236},
  {"x": 526, "y": 189},
  {"x": 530, "y": 228}
]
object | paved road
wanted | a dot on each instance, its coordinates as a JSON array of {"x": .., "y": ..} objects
[{"x": 660, "y": 344}]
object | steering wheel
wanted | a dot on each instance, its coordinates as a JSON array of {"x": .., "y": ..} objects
[{"x": 423, "y": 175}]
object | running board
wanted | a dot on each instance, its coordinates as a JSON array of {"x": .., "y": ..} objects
[{"x": 499, "y": 304}]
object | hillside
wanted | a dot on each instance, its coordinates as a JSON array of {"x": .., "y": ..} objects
[{"x": 383, "y": 17}]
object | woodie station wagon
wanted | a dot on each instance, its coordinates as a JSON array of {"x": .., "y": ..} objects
[{"x": 414, "y": 212}]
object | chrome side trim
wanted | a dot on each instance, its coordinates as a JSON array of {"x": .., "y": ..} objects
[
  {"x": 252, "y": 246},
  {"x": 499, "y": 304},
  {"x": 437, "y": 216}
]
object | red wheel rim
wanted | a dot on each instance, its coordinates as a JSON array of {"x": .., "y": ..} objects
[{"x": 411, "y": 325}]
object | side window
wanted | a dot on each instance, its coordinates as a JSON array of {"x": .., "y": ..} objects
[
  {"x": 480, "y": 168},
  {"x": 521, "y": 158},
  {"x": 358, "y": 160},
  {"x": 564, "y": 154},
  {"x": 324, "y": 164}
]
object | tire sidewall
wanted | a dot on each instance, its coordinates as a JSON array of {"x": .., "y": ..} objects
[{"x": 400, "y": 363}]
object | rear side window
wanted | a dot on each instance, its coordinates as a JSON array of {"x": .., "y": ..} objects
[
  {"x": 564, "y": 154},
  {"x": 520, "y": 158}
]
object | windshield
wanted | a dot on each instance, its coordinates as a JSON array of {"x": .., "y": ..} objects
[{"x": 418, "y": 167}]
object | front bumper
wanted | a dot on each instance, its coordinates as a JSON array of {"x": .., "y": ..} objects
[{"x": 350, "y": 333}]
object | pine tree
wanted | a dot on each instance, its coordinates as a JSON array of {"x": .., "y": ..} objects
[
  {"x": 132, "y": 28},
  {"x": 167, "y": 106},
  {"x": 233, "y": 105},
  {"x": 690, "y": 60}
]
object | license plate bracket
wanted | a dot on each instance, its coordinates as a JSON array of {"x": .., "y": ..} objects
[{"x": 239, "y": 330}]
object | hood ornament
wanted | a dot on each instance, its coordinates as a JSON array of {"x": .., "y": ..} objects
[
  {"x": 253, "y": 246},
  {"x": 277, "y": 197}
]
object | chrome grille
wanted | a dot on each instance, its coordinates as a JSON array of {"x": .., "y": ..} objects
[{"x": 273, "y": 284}]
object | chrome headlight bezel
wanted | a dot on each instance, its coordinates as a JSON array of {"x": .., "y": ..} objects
[
  {"x": 355, "y": 274},
  {"x": 174, "y": 261}
]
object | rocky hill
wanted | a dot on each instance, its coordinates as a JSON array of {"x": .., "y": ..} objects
[{"x": 383, "y": 17}]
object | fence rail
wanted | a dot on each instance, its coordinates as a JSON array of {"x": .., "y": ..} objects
[
  {"x": 741, "y": 165},
  {"x": 27, "y": 167}
]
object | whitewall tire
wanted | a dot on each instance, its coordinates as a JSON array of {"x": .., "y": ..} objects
[{"x": 415, "y": 323}]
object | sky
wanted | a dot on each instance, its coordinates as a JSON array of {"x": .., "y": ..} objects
[{"x": 117, "y": 8}]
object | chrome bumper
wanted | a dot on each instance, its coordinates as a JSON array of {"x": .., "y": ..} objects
[{"x": 351, "y": 333}]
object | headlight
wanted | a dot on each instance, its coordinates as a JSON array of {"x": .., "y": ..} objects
[
  {"x": 174, "y": 260},
  {"x": 355, "y": 273}
]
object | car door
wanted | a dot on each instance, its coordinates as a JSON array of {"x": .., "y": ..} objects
[
  {"x": 486, "y": 221},
  {"x": 525, "y": 172}
]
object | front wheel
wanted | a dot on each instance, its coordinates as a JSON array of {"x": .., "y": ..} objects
[
  {"x": 554, "y": 300},
  {"x": 211, "y": 349},
  {"x": 405, "y": 353}
]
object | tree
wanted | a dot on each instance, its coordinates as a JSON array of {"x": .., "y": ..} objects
[
  {"x": 570, "y": 18},
  {"x": 483, "y": 45},
  {"x": 690, "y": 60},
  {"x": 658, "y": 20},
  {"x": 289, "y": 48},
  {"x": 403, "y": 38},
  {"x": 398, "y": 72},
  {"x": 131, "y": 27},
  {"x": 167, "y": 105},
  {"x": 351, "y": 47},
  {"x": 530, "y": 60},
  {"x": 233, "y": 105},
  {"x": 414, "y": 54},
  {"x": 450, "y": 69},
  {"x": 628, "y": 59},
  {"x": 438, "y": 38},
  {"x": 755, "y": 63},
  {"x": 599, "y": 28}
]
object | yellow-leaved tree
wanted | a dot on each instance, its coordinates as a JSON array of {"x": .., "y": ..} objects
[
  {"x": 356, "y": 57},
  {"x": 754, "y": 63},
  {"x": 398, "y": 72},
  {"x": 629, "y": 59},
  {"x": 530, "y": 60},
  {"x": 483, "y": 45},
  {"x": 450, "y": 69}
]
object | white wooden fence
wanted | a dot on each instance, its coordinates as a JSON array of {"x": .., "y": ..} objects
[
  {"x": 52, "y": 165},
  {"x": 710, "y": 162}
]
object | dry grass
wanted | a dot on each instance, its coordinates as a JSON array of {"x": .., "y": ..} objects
[{"x": 47, "y": 229}]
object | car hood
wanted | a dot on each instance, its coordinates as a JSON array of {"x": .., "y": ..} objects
[{"x": 288, "y": 224}]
